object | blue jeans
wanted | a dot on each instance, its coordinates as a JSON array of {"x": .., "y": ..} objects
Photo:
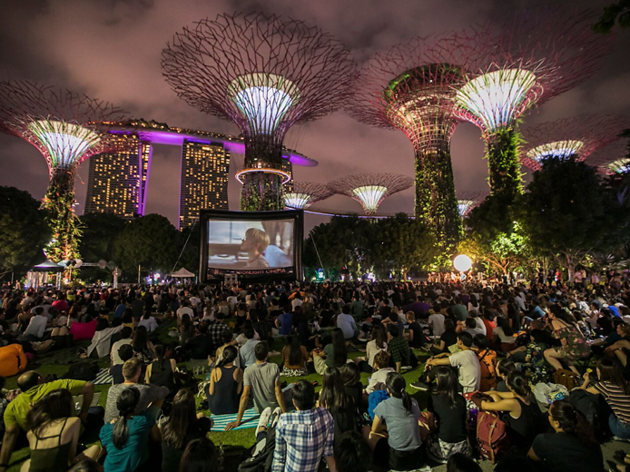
[{"x": 618, "y": 428}]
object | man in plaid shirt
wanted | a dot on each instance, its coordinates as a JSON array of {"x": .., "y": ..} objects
[{"x": 303, "y": 437}]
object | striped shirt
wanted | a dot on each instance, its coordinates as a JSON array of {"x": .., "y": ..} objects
[{"x": 618, "y": 401}]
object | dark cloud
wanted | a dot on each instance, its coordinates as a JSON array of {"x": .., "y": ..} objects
[{"x": 111, "y": 50}]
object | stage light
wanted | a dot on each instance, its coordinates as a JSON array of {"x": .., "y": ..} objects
[{"x": 462, "y": 263}]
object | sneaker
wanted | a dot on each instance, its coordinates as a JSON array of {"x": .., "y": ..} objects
[
  {"x": 275, "y": 416},
  {"x": 422, "y": 386},
  {"x": 264, "y": 421}
]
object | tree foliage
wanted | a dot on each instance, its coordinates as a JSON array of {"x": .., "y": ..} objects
[
  {"x": 397, "y": 244},
  {"x": 567, "y": 211},
  {"x": 150, "y": 241},
  {"x": 100, "y": 231},
  {"x": 23, "y": 230},
  {"x": 614, "y": 13}
]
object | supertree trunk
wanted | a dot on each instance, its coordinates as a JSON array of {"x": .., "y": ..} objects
[
  {"x": 58, "y": 203},
  {"x": 504, "y": 166},
  {"x": 436, "y": 202},
  {"x": 262, "y": 190}
]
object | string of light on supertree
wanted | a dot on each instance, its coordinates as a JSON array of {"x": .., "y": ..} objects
[
  {"x": 412, "y": 88},
  {"x": 67, "y": 128},
  {"x": 570, "y": 138},
  {"x": 467, "y": 201},
  {"x": 612, "y": 159},
  {"x": 538, "y": 55},
  {"x": 371, "y": 189},
  {"x": 304, "y": 194},
  {"x": 264, "y": 73}
]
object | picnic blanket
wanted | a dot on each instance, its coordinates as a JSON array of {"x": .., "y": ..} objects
[
  {"x": 103, "y": 377},
  {"x": 250, "y": 420}
]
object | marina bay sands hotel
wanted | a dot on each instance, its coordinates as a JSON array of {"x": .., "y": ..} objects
[{"x": 118, "y": 182}]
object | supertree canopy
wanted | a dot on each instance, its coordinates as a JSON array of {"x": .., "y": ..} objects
[
  {"x": 538, "y": 55},
  {"x": 467, "y": 201},
  {"x": 265, "y": 73},
  {"x": 67, "y": 128},
  {"x": 412, "y": 87},
  {"x": 570, "y": 138},
  {"x": 304, "y": 194},
  {"x": 371, "y": 189},
  {"x": 612, "y": 159}
]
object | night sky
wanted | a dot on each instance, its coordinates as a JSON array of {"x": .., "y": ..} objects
[{"x": 111, "y": 50}]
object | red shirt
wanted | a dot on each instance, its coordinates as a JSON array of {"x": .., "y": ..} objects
[{"x": 490, "y": 325}]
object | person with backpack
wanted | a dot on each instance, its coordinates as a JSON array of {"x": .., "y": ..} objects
[
  {"x": 520, "y": 411},
  {"x": 611, "y": 384},
  {"x": 572, "y": 446},
  {"x": 395, "y": 434},
  {"x": 445, "y": 418},
  {"x": 487, "y": 363}
]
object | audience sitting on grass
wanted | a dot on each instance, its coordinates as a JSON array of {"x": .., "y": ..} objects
[{"x": 526, "y": 316}]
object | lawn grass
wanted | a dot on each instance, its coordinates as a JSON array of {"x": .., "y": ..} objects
[{"x": 233, "y": 443}]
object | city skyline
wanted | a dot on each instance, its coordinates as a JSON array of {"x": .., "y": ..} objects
[{"x": 64, "y": 45}]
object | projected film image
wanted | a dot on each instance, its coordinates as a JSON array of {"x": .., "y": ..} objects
[{"x": 250, "y": 245}]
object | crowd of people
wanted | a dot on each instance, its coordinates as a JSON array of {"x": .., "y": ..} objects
[{"x": 545, "y": 360}]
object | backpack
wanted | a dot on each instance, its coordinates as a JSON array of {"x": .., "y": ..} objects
[
  {"x": 261, "y": 455},
  {"x": 83, "y": 371},
  {"x": 596, "y": 411},
  {"x": 491, "y": 436},
  {"x": 488, "y": 366},
  {"x": 376, "y": 397},
  {"x": 12, "y": 360},
  {"x": 566, "y": 377}
]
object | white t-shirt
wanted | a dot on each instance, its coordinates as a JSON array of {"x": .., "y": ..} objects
[
  {"x": 469, "y": 371},
  {"x": 36, "y": 326},
  {"x": 296, "y": 302},
  {"x": 437, "y": 322},
  {"x": 481, "y": 326},
  {"x": 185, "y": 310}
]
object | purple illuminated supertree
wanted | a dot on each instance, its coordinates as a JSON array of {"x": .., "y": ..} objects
[
  {"x": 575, "y": 138},
  {"x": 67, "y": 128},
  {"x": 538, "y": 55},
  {"x": 371, "y": 189},
  {"x": 304, "y": 194},
  {"x": 412, "y": 88},
  {"x": 266, "y": 74}
]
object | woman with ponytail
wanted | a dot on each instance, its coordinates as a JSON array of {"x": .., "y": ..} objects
[
  {"x": 161, "y": 371},
  {"x": 572, "y": 446},
  {"x": 226, "y": 384},
  {"x": 126, "y": 438},
  {"x": 54, "y": 434},
  {"x": 521, "y": 413},
  {"x": 395, "y": 434}
]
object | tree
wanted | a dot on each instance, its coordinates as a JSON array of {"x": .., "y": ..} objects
[
  {"x": 615, "y": 13},
  {"x": 567, "y": 211},
  {"x": 23, "y": 230},
  {"x": 504, "y": 252},
  {"x": 149, "y": 241},
  {"x": 400, "y": 244},
  {"x": 100, "y": 231}
]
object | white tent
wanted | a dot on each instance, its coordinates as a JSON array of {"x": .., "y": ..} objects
[{"x": 182, "y": 274}]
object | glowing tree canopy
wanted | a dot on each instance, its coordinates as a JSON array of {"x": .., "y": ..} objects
[
  {"x": 612, "y": 159},
  {"x": 412, "y": 88},
  {"x": 371, "y": 189},
  {"x": 467, "y": 201},
  {"x": 67, "y": 129},
  {"x": 264, "y": 73},
  {"x": 536, "y": 56},
  {"x": 304, "y": 194},
  {"x": 576, "y": 138}
]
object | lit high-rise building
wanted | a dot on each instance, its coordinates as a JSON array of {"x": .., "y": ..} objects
[
  {"x": 204, "y": 183},
  {"x": 117, "y": 182}
]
